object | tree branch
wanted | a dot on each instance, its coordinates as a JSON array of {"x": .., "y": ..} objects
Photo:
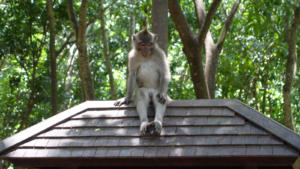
[
  {"x": 52, "y": 54},
  {"x": 200, "y": 12},
  {"x": 227, "y": 24},
  {"x": 212, "y": 51},
  {"x": 82, "y": 21},
  {"x": 180, "y": 21},
  {"x": 104, "y": 9},
  {"x": 291, "y": 64},
  {"x": 64, "y": 44},
  {"x": 208, "y": 19},
  {"x": 296, "y": 21},
  {"x": 110, "y": 5},
  {"x": 72, "y": 17}
]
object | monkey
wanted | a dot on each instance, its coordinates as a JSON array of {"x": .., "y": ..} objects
[{"x": 149, "y": 74}]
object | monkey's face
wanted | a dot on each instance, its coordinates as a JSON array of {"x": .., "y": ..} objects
[
  {"x": 145, "y": 48},
  {"x": 144, "y": 42}
]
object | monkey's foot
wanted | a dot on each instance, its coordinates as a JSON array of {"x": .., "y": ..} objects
[
  {"x": 154, "y": 128},
  {"x": 120, "y": 102},
  {"x": 144, "y": 128}
]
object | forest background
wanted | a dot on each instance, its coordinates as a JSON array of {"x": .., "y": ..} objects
[{"x": 251, "y": 67}]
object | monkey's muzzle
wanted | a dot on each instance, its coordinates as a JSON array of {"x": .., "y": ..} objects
[{"x": 145, "y": 49}]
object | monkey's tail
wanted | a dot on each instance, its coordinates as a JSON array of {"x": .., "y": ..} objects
[{"x": 169, "y": 99}]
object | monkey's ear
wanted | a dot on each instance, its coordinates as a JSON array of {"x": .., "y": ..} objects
[{"x": 133, "y": 37}]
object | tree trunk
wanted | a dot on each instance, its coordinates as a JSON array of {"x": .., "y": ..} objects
[
  {"x": 212, "y": 51},
  {"x": 160, "y": 22},
  {"x": 191, "y": 48},
  {"x": 52, "y": 54},
  {"x": 211, "y": 63},
  {"x": 106, "y": 52},
  {"x": 270, "y": 107},
  {"x": 291, "y": 66},
  {"x": 29, "y": 107},
  {"x": 204, "y": 84},
  {"x": 131, "y": 26},
  {"x": 131, "y": 31},
  {"x": 197, "y": 73},
  {"x": 83, "y": 60}
]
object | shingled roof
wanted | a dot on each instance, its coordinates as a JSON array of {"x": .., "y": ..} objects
[{"x": 195, "y": 133}]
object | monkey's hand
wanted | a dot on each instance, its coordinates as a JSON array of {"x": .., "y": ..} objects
[
  {"x": 162, "y": 98},
  {"x": 125, "y": 100}
]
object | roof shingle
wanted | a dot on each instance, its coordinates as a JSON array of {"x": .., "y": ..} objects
[{"x": 198, "y": 128}]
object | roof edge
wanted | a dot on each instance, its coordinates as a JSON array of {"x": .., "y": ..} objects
[
  {"x": 272, "y": 126},
  {"x": 38, "y": 128}
]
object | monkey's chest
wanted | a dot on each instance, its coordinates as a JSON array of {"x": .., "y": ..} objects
[{"x": 148, "y": 75}]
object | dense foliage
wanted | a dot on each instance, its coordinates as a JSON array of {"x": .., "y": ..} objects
[{"x": 251, "y": 66}]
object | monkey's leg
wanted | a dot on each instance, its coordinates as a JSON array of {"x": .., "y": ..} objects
[
  {"x": 159, "y": 115},
  {"x": 142, "y": 102}
]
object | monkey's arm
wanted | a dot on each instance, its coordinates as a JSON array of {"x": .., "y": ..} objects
[
  {"x": 163, "y": 83},
  {"x": 164, "y": 75},
  {"x": 130, "y": 85},
  {"x": 130, "y": 88},
  {"x": 164, "y": 79},
  {"x": 131, "y": 76}
]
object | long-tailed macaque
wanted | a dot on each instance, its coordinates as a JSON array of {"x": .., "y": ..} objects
[{"x": 149, "y": 73}]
